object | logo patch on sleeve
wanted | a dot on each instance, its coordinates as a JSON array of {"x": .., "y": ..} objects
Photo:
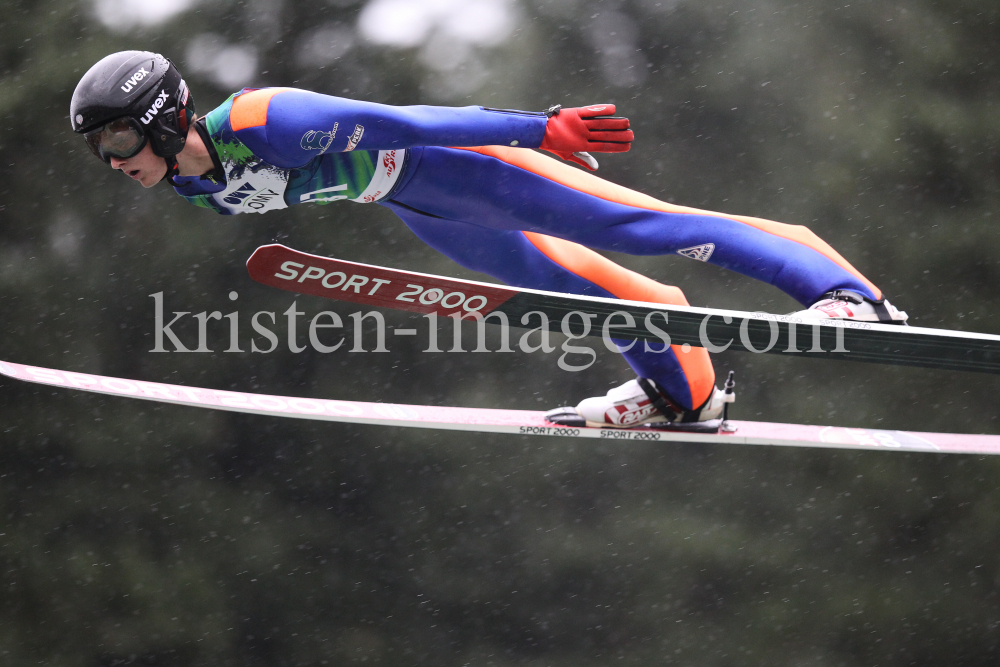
[
  {"x": 700, "y": 253},
  {"x": 316, "y": 140},
  {"x": 355, "y": 138}
]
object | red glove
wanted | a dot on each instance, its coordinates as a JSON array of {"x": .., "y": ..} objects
[{"x": 584, "y": 129}]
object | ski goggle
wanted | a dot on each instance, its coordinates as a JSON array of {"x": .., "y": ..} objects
[{"x": 122, "y": 138}]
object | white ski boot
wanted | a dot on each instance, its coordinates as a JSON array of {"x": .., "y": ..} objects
[
  {"x": 640, "y": 402},
  {"x": 850, "y": 305}
]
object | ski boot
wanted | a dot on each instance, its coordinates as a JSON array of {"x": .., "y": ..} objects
[
  {"x": 640, "y": 403},
  {"x": 851, "y": 305}
]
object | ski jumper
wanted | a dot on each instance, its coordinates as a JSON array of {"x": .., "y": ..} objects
[{"x": 463, "y": 181}]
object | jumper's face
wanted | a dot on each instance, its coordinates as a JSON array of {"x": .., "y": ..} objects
[{"x": 146, "y": 166}]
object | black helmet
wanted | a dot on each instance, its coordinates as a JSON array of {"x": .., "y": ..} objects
[{"x": 145, "y": 93}]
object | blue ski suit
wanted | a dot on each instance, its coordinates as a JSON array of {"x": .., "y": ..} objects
[{"x": 464, "y": 181}]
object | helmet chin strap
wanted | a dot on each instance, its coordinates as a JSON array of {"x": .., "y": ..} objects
[{"x": 172, "y": 169}]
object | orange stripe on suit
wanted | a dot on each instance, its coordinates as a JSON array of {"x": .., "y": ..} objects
[
  {"x": 626, "y": 284},
  {"x": 580, "y": 180}
]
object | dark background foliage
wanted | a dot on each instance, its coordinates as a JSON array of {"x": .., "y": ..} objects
[{"x": 133, "y": 533}]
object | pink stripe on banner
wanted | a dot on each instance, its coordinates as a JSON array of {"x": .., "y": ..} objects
[{"x": 483, "y": 420}]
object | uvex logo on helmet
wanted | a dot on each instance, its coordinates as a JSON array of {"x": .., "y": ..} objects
[
  {"x": 135, "y": 78},
  {"x": 155, "y": 107}
]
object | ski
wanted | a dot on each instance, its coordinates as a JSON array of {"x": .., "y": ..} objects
[
  {"x": 517, "y": 422},
  {"x": 715, "y": 329}
]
